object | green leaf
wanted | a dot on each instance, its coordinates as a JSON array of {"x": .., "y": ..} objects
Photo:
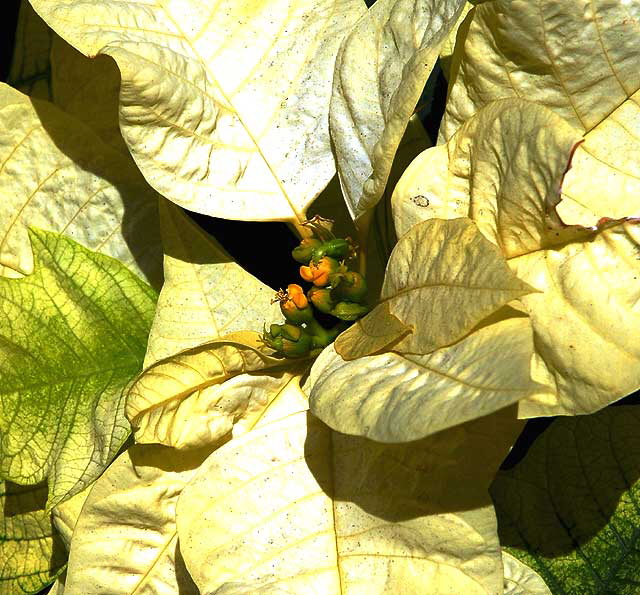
[
  {"x": 31, "y": 554},
  {"x": 571, "y": 508},
  {"x": 72, "y": 334}
]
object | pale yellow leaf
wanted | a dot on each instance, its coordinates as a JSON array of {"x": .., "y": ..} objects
[
  {"x": 442, "y": 279},
  {"x": 396, "y": 397},
  {"x": 371, "y": 334},
  {"x": 125, "y": 540},
  {"x": 586, "y": 321},
  {"x": 505, "y": 169},
  {"x": 380, "y": 72},
  {"x": 292, "y": 507},
  {"x": 579, "y": 59},
  {"x": 194, "y": 398},
  {"x": 446, "y": 52},
  {"x": 65, "y": 515},
  {"x": 205, "y": 294},
  {"x": 57, "y": 174},
  {"x": 519, "y": 579},
  {"x": 224, "y": 107}
]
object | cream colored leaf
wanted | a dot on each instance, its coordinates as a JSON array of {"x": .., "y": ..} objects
[
  {"x": 398, "y": 398},
  {"x": 371, "y": 334},
  {"x": 446, "y": 52},
  {"x": 442, "y": 279},
  {"x": 504, "y": 169},
  {"x": 577, "y": 58},
  {"x": 205, "y": 294},
  {"x": 586, "y": 321},
  {"x": 210, "y": 384},
  {"x": 55, "y": 173},
  {"x": 292, "y": 507},
  {"x": 125, "y": 540},
  {"x": 30, "y": 70},
  {"x": 192, "y": 76},
  {"x": 586, "y": 318},
  {"x": 380, "y": 72},
  {"x": 519, "y": 579},
  {"x": 65, "y": 515}
]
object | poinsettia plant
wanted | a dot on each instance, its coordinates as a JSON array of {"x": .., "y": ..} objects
[{"x": 170, "y": 423}]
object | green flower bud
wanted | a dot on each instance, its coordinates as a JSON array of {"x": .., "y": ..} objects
[
  {"x": 349, "y": 311},
  {"x": 321, "y": 298},
  {"x": 294, "y": 304},
  {"x": 336, "y": 248},
  {"x": 349, "y": 286},
  {"x": 288, "y": 340},
  {"x": 305, "y": 250}
]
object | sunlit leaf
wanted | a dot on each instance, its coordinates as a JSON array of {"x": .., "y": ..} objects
[
  {"x": 446, "y": 52},
  {"x": 578, "y": 59},
  {"x": 211, "y": 383},
  {"x": 31, "y": 554},
  {"x": 65, "y": 515},
  {"x": 292, "y": 507},
  {"x": 125, "y": 540},
  {"x": 570, "y": 510},
  {"x": 192, "y": 78},
  {"x": 72, "y": 334},
  {"x": 442, "y": 279},
  {"x": 585, "y": 319},
  {"x": 380, "y": 72},
  {"x": 205, "y": 294},
  {"x": 396, "y": 397},
  {"x": 519, "y": 579},
  {"x": 57, "y": 174}
]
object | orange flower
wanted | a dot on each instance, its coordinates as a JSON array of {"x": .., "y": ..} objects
[
  {"x": 294, "y": 304},
  {"x": 319, "y": 273}
]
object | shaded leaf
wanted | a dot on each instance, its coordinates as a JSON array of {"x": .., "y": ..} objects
[
  {"x": 191, "y": 79},
  {"x": 570, "y": 510},
  {"x": 31, "y": 554},
  {"x": 72, "y": 334},
  {"x": 57, "y": 174},
  {"x": 30, "y": 70},
  {"x": 399, "y": 397}
]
